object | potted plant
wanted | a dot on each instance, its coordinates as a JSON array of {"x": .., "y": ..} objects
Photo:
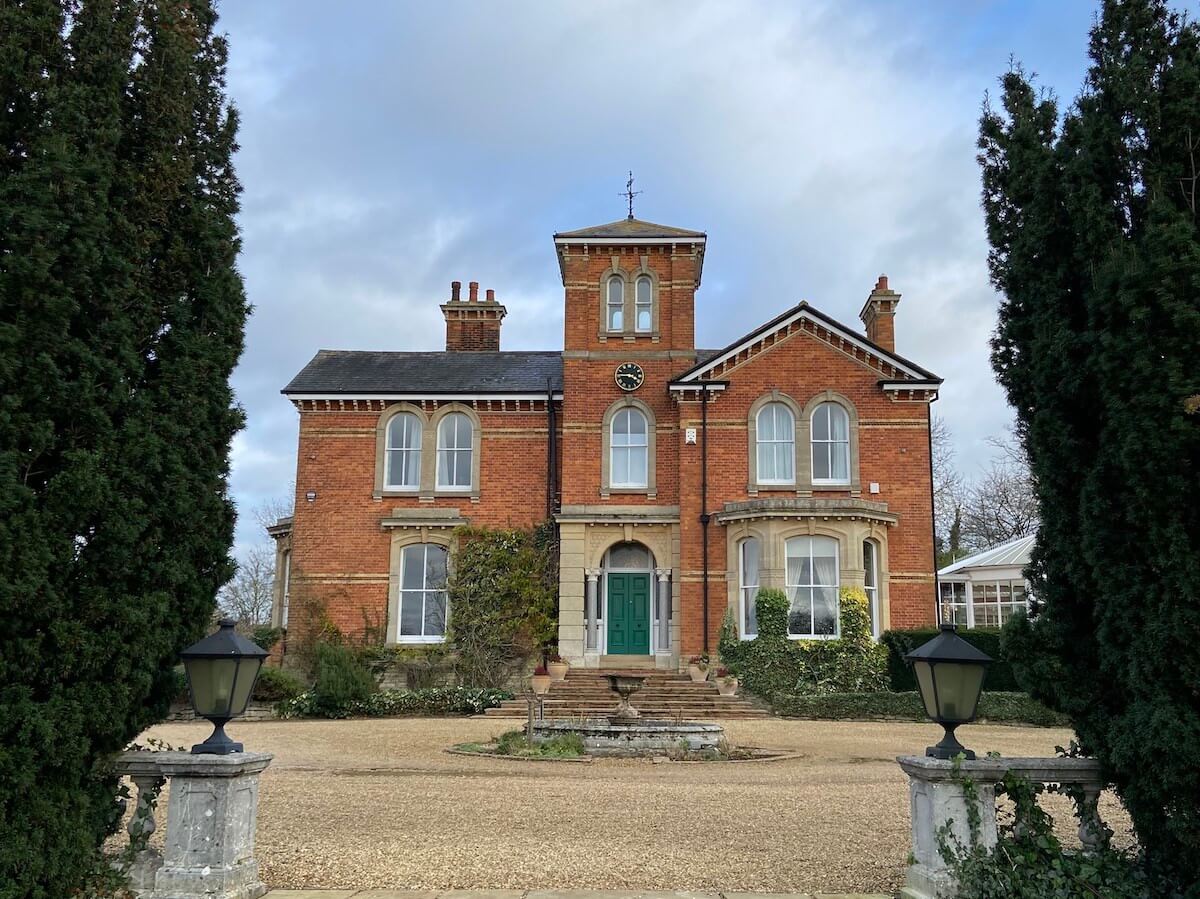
[
  {"x": 557, "y": 668},
  {"x": 540, "y": 681},
  {"x": 698, "y": 669},
  {"x": 727, "y": 684}
]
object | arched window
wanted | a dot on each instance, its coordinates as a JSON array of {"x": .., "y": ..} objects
[
  {"x": 871, "y": 581},
  {"x": 423, "y": 604},
  {"x": 748, "y": 559},
  {"x": 830, "y": 444},
  {"x": 615, "y": 304},
  {"x": 812, "y": 585},
  {"x": 645, "y": 304},
  {"x": 775, "y": 433},
  {"x": 454, "y": 452},
  {"x": 629, "y": 445},
  {"x": 402, "y": 459}
]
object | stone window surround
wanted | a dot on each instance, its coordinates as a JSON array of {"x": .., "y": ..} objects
[
  {"x": 427, "y": 490},
  {"x": 410, "y": 536},
  {"x": 802, "y": 417},
  {"x": 773, "y": 534},
  {"x": 651, "y": 489},
  {"x": 629, "y": 279}
]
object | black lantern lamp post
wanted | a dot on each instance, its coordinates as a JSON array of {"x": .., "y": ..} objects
[
  {"x": 221, "y": 671},
  {"x": 949, "y": 674}
]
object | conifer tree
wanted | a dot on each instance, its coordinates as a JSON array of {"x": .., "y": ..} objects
[
  {"x": 1092, "y": 220},
  {"x": 121, "y": 318}
]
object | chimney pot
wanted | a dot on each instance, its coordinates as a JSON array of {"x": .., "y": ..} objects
[
  {"x": 881, "y": 284},
  {"x": 455, "y": 290},
  {"x": 473, "y": 287},
  {"x": 491, "y": 295}
]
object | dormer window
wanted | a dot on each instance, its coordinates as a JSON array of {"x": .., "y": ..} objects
[
  {"x": 644, "y": 305},
  {"x": 616, "y": 303}
]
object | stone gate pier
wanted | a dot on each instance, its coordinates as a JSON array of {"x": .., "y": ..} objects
[{"x": 212, "y": 814}]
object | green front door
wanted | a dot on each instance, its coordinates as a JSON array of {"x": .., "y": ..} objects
[{"x": 629, "y": 614}]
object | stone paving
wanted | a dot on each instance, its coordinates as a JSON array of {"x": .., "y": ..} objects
[{"x": 553, "y": 894}]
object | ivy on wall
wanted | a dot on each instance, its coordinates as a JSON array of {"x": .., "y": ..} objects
[{"x": 773, "y": 664}]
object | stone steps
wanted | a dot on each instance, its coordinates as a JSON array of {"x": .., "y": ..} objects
[{"x": 586, "y": 694}]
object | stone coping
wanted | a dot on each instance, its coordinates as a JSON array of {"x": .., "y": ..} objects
[
  {"x": 634, "y": 726},
  {"x": 173, "y": 764},
  {"x": 992, "y": 770},
  {"x": 578, "y": 760},
  {"x": 555, "y": 894}
]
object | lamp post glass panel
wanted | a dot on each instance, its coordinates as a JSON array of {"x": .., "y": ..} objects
[
  {"x": 221, "y": 672},
  {"x": 949, "y": 673}
]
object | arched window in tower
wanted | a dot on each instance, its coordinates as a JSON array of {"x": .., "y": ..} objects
[
  {"x": 645, "y": 304},
  {"x": 615, "y": 305},
  {"x": 630, "y": 448}
]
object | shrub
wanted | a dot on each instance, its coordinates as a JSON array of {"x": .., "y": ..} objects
[
  {"x": 266, "y": 636},
  {"x": 340, "y": 680},
  {"x": 275, "y": 684},
  {"x": 997, "y": 708},
  {"x": 772, "y": 663},
  {"x": 560, "y": 746},
  {"x": 394, "y": 703},
  {"x": 1000, "y": 675}
]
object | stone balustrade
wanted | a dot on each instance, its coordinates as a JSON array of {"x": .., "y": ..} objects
[
  {"x": 212, "y": 814},
  {"x": 939, "y": 800}
]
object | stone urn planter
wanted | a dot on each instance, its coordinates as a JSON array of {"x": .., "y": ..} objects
[
  {"x": 540, "y": 681},
  {"x": 697, "y": 671},
  {"x": 727, "y": 686},
  {"x": 558, "y": 670}
]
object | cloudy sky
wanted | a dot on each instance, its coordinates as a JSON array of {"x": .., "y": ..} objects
[{"x": 388, "y": 149}]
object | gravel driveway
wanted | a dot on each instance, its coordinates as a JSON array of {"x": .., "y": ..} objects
[{"x": 361, "y": 804}]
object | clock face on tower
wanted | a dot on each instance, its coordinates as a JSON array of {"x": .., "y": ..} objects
[{"x": 630, "y": 376}]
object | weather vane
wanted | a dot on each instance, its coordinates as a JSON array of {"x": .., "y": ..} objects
[{"x": 629, "y": 193}]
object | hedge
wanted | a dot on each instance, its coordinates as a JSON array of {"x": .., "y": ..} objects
[
  {"x": 1000, "y": 676},
  {"x": 432, "y": 701},
  {"x": 997, "y": 708}
]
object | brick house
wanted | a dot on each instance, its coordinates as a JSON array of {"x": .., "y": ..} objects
[{"x": 682, "y": 479}]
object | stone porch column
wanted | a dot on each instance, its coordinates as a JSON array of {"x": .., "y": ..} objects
[
  {"x": 593, "y": 610},
  {"x": 663, "y": 601}
]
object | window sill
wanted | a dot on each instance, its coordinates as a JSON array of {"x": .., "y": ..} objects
[
  {"x": 418, "y": 641},
  {"x": 764, "y": 486},
  {"x": 399, "y": 491},
  {"x": 832, "y": 485},
  {"x": 453, "y": 491},
  {"x": 814, "y": 637}
]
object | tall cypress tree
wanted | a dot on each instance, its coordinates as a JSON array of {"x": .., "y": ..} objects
[
  {"x": 121, "y": 318},
  {"x": 1092, "y": 219}
]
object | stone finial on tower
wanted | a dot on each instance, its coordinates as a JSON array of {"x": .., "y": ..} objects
[
  {"x": 878, "y": 315},
  {"x": 471, "y": 324}
]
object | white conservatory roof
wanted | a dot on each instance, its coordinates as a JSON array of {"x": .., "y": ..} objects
[{"x": 1013, "y": 554}]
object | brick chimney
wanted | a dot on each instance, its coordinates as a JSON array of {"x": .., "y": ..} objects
[
  {"x": 878, "y": 315},
  {"x": 472, "y": 324}
]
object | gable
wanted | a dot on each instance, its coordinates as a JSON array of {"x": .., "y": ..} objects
[{"x": 895, "y": 373}]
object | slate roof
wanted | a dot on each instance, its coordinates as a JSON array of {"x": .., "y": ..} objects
[
  {"x": 358, "y": 372},
  {"x": 1013, "y": 553},
  {"x": 629, "y": 227}
]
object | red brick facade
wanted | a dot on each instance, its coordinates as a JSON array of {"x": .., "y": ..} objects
[{"x": 350, "y": 528}]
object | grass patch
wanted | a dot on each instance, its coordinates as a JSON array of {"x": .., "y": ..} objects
[
  {"x": 998, "y": 708},
  {"x": 514, "y": 743}
]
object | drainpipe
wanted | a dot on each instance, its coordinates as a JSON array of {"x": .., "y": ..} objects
[
  {"x": 704, "y": 516},
  {"x": 551, "y": 451},
  {"x": 937, "y": 587}
]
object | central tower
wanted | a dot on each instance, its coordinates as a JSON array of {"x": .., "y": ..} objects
[{"x": 629, "y": 328}]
